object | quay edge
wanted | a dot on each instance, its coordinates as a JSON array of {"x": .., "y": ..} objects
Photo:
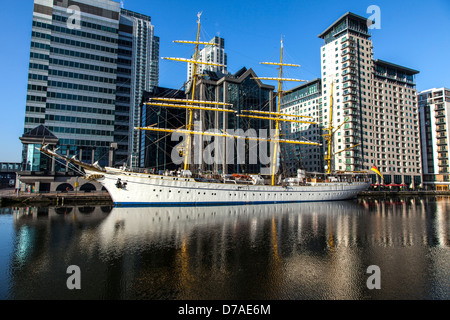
[
  {"x": 84, "y": 199},
  {"x": 386, "y": 194},
  {"x": 54, "y": 200}
]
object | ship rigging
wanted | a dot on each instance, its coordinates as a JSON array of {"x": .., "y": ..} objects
[{"x": 194, "y": 104}]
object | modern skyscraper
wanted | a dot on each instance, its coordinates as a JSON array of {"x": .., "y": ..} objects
[
  {"x": 138, "y": 71},
  {"x": 303, "y": 100},
  {"x": 373, "y": 100},
  {"x": 72, "y": 74},
  {"x": 434, "y": 110},
  {"x": 89, "y": 63},
  {"x": 215, "y": 53}
]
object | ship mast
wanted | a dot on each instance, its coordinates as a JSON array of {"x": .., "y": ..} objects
[
  {"x": 191, "y": 111},
  {"x": 170, "y": 103},
  {"x": 278, "y": 116},
  {"x": 330, "y": 135},
  {"x": 193, "y": 104}
]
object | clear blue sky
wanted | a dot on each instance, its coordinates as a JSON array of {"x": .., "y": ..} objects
[{"x": 413, "y": 33}]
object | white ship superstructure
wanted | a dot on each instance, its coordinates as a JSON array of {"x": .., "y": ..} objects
[{"x": 140, "y": 189}]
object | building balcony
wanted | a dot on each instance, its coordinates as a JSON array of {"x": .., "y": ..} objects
[
  {"x": 348, "y": 53},
  {"x": 350, "y": 79},
  {"x": 353, "y": 158},
  {"x": 394, "y": 77},
  {"x": 351, "y": 106},
  {"x": 349, "y": 92},
  {"x": 349, "y": 66},
  {"x": 348, "y": 45},
  {"x": 350, "y": 85},
  {"x": 352, "y": 113},
  {"x": 349, "y": 133},
  {"x": 352, "y": 140},
  {"x": 349, "y": 59},
  {"x": 351, "y": 99},
  {"x": 348, "y": 40},
  {"x": 353, "y": 119},
  {"x": 349, "y": 72}
]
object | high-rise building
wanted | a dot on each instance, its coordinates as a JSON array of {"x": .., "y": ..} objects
[
  {"x": 215, "y": 53},
  {"x": 376, "y": 100},
  {"x": 304, "y": 100},
  {"x": 90, "y": 61},
  {"x": 138, "y": 71},
  {"x": 434, "y": 110},
  {"x": 72, "y": 75}
]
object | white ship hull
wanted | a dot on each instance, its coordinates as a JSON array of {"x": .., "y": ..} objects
[{"x": 154, "y": 190}]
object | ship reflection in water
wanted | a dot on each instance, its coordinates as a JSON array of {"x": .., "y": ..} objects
[{"x": 295, "y": 251}]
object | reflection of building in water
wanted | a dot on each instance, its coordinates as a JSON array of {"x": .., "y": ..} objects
[
  {"x": 318, "y": 245},
  {"x": 48, "y": 241},
  {"x": 408, "y": 222},
  {"x": 47, "y": 214},
  {"x": 302, "y": 251}
]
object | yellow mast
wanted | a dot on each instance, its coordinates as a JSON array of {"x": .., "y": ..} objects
[
  {"x": 191, "y": 111},
  {"x": 329, "y": 136},
  {"x": 191, "y": 102},
  {"x": 278, "y": 115},
  {"x": 226, "y": 135},
  {"x": 192, "y": 105},
  {"x": 277, "y": 123}
]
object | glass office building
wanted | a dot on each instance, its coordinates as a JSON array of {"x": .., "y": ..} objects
[{"x": 85, "y": 76}]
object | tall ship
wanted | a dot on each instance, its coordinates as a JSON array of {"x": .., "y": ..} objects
[{"x": 142, "y": 187}]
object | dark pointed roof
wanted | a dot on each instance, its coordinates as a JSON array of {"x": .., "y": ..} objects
[
  {"x": 38, "y": 134},
  {"x": 240, "y": 72}
]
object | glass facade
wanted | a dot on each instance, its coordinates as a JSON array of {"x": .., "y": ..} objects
[
  {"x": 72, "y": 77},
  {"x": 247, "y": 94},
  {"x": 84, "y": 83},
  {"x": 139, "y": 62},
  {"x": 240, "y": 90}
]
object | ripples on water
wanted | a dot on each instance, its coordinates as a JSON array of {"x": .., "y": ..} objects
[{"x": 301, "y": 251}]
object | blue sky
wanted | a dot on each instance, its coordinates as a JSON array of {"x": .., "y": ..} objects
[{"x": 413, "y": 34}]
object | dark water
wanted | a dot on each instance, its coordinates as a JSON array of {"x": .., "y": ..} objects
[{"x": 277, "y": 252}]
